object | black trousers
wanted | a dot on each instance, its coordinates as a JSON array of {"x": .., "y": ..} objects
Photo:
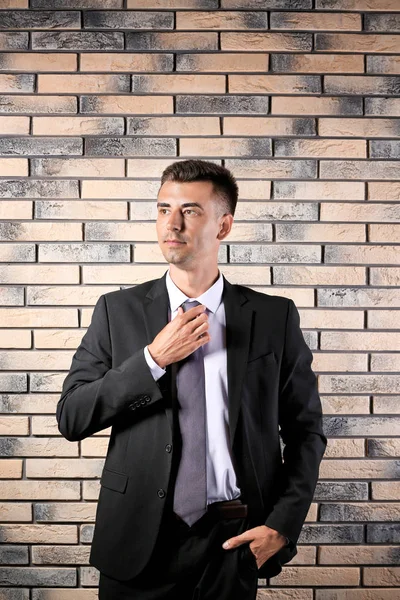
[{"x": 190, "y": 563}]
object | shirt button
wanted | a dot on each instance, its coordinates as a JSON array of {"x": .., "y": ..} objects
[
  {"x": 168, "y": 448},
  {"x": 161, "y": 493}
]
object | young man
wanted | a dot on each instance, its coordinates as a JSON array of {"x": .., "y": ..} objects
[{"x": 199, "y": 379}]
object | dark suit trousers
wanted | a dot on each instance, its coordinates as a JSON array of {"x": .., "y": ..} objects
[{"x": 190, "y": 563}]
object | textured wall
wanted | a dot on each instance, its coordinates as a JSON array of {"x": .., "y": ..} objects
[{"x": 299, "y": 98}]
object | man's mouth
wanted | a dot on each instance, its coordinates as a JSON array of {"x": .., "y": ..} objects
[{"x": 174, "y": 242}]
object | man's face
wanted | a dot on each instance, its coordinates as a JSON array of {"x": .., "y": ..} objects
[{"x": 188, "y": 213}]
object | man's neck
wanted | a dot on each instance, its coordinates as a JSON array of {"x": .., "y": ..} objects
[{"x": 194, "y": 283}]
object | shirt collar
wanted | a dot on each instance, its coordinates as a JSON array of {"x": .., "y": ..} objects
[{"x": 211, "y": 298}]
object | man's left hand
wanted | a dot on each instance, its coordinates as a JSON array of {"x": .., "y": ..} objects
[{"x": 264, "y": 542}]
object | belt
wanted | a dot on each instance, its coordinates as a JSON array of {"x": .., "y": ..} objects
[{"x": 225, "y": 509}]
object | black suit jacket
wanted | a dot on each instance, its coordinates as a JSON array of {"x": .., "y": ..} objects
[{"x": 272, "y": 393}]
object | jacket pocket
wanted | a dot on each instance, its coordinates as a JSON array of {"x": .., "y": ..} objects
[
  {"x": 260, "y": 361},
  {"x": 114, "y": 480}
]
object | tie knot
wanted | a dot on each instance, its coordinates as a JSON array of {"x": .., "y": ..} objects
[{"x": 189, "y": 304}]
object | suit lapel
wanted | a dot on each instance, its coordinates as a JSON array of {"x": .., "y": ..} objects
[{"x": 238, "y": 315}]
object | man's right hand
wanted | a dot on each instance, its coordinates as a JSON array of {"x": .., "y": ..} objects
[{"x": 181, "y": 336}]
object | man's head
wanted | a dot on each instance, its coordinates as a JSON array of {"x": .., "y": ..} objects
[{"x": 195, "y": 206}]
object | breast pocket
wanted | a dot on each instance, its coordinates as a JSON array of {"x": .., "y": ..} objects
[{"x": 114, "y": 480}]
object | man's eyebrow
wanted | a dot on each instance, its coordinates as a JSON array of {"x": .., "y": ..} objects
[{"x": 165, "y": 204}]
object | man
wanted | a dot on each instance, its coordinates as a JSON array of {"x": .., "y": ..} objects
[{"x": 195, "y": 376}]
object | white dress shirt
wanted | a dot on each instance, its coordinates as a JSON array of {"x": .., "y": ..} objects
[{"x": 221, "y": 477}]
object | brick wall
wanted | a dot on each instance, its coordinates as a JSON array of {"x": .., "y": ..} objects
[{"x": 300, "y": 99}]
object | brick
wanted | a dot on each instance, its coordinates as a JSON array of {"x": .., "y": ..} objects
[
  {"x": 385, "y": 276},
  {"x": 281, "y": 105},
  {"x": 331, "y": 319},
  {"x": 226, "y": 63},
  {"x": 32, "y": 576},
  {"x": 384, "y": 447},
  {"x": 360, "y": 469},
  {"x": 37, "y": 317},
  {"x": 14, "y": 338},
  {"x": 275, "y": 211},
  {"x": 341, "y": 490},
  {"x": 82, "y": 252},
  {"x": 389, "y": 576},
  {"x": 359, "y": 127},
  {"x": 384, "y": 149},
  {"x": 63, "y": 467},
  {"x": 359, "y": 426},
  {"x": 129, "y": 61},
  {"x": 126, "y": 104},
  {"x": 318, "y": 232},
  {"x": 17, "y": 125},
  {"x": 221, "y": 20},
  {"x": 225, "y": 146},
  {"x": 174, "y": 126},
  {"x": 122, "y": 19},
  {"x": 60, "y": 554},
  {"x": 386, "y": 405},
  {"x": 39, "y": 274},
  {"x": 267, "y": 4},
  {"x": 318, "y": 190},
  {"x": 319, "y": 275},
  {"x": 198, "y": 40},
  {"x": 39, "y": 146},
  {"x": 340, "y": 448},
  {"x": 221, "y": 104},
  {"x": 130, "y": 146},
  {"x": 24, "y": 19},
  {"x": 18, "y": 40},
  {"x": 140, "y": 232},
  {"x": 13, "y": 382},
  {"x": 358, "y": 594},
  {"x": 88, "y": 84},
  {"x": 275, "y": 84},
  {"x": 389, "y": 511},
  {"x": 345, "y": 405},
  {"x": 382, "y": 106},
  {"x": 179, "y": 84},
  {"x": 389, "y": 65},
  {"x": 274, "y": 253},
  {"x": 273, "y": 168},
  {"x": 266, "y": 41},
  {"x": 12, "y": 446},
  {"x": 39, "y": 231},
  {"x": 16, "y": 84},
  {"x": 314, "y": 21},
  {"x": 365, "y": 340},
  {"x": 358, "y": 555},
  {"x": 121, "y": 189},
  {"x": 358, "y": 84},
  {"x": 321, "y": 148},
  {"x": 37, "y": 188},
  {"x": 367, "y": 169},
  {"x": 383, "y": 191},
  {"x": 15, "y": 210},
  {"x": 83, "y": 167},
  {"x": 385, "y": 490},
  {"x": 23, "y": 61},
  {"x": 14, "y": 426},
  {"x": 77, "y": 40},
  {"x": 17, "y": 253},
  {"x": 364, "y": 5},
  {"x": 64, "y": 512},
  {"x": 314, "y": 576},
  {"x": 366, "y": 254},
  {"x": 38, "y": 104},
  {"x": 317, "y": 63},
  {"x": 385, "y": 362},
  {"x": 382, "y": 23},
  {"x": 267, "y": 126},
  {"x": 13, "y": 167},
  {"x": 14, "y": 555},
  {"x": 80, "y": 210},
  {"x": 76, "y": 4},
  {"x": 28, "y": 403},
  {"x": 349, "y": 42}
]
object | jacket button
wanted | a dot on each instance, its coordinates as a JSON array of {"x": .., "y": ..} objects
[
  {"x": 161, "y": 493},
  {"x": 146, "y": 398},
  {"x": 168, "y": 448},
  {"x": 143, "y": 401},
  {"x": 132, "y": 406}
]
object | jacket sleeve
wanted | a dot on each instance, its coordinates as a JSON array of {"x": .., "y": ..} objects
[
  {"x": 93, "y": 393},
  {"x": 300, "y": 420}
]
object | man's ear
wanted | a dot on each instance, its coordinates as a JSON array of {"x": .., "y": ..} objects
[{"x": 225, "y": 226}]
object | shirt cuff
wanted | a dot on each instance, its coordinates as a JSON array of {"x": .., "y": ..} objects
[{"x": 155, "y": 369}]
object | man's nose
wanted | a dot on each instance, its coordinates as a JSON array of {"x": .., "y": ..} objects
[{"x": 174, "y": 222}]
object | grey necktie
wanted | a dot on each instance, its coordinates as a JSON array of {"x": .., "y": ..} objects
[{"x": 190, "y": 496}]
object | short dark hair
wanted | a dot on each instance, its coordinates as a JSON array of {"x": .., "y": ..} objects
[{"x": 224, "y": 183}]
